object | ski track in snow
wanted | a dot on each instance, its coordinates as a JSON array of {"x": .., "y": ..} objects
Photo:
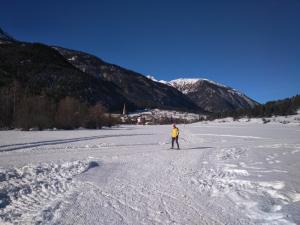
[{"x": 222, "y": 175}]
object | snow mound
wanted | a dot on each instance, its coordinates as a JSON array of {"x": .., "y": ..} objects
[
  {"x": 261, "y": 201},
  {"x": 34, "y": 192}
]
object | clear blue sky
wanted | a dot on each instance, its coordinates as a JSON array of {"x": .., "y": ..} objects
[{"x": 251, "y": 45}]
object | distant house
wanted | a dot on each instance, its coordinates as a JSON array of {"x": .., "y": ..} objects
[{"x": 141, "y": 120}]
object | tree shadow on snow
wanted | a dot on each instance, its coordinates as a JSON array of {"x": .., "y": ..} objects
[{"x": 12, "y": 147}]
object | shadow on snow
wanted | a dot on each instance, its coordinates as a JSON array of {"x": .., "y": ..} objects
[{"x": 6, "y": 148}]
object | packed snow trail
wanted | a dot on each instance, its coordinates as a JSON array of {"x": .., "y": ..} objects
[{"x": 226, "y": 173}]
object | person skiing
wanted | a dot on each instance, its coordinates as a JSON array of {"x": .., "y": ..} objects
[{"x": 175, "y": 134}]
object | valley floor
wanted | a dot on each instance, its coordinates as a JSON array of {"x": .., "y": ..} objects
[{"x": 225, "y": 173}]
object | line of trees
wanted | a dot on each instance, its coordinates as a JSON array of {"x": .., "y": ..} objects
[
  {"x": 288, "y": 106},
  {"x": 25, "y": 111}
]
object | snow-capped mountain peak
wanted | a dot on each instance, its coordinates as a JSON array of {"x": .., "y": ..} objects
[
  {"x": 192, "y": 81},
  {"x": 183, "y": 81},
  {"x": 160, "y": 81},
  {"x": 210, "y": 95},
  {"x": 189, "y": 85},
  {"x": 183, "y": 84}
]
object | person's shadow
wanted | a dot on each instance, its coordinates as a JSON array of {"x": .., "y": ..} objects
[{"x": 197, "y": 148}]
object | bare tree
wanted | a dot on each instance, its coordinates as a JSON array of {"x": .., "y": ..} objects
[
  {"x": 69, "y": 113},
  {"x": 96, "y": 116}
]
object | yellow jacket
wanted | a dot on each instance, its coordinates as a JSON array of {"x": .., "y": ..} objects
[{"x": 175, "y": 132}]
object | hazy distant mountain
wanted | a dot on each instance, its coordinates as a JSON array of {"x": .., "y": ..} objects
[{"x": 212, "y": 96}]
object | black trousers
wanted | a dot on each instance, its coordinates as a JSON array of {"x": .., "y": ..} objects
[{"x": 175, "y": 139}]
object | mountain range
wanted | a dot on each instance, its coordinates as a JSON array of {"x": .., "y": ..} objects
[
  {"x": 212, "y": 96},
  {"x": 59, "y": 72}
]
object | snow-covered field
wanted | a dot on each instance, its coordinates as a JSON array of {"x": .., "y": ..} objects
[{"x": 225, "y": 173}]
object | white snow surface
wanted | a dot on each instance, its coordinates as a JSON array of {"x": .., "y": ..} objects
[{"x": 227, "y": 172}]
